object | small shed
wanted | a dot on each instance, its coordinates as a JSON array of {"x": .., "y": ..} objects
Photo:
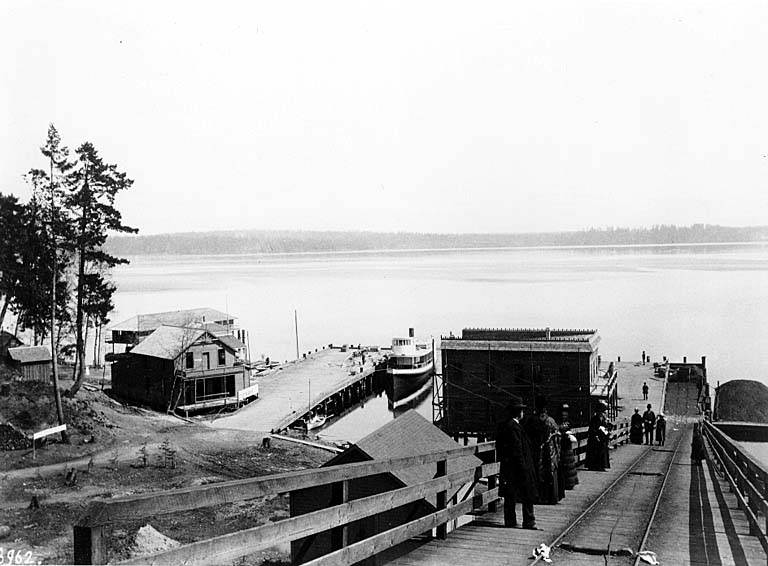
[
  {"x": 8, "y": 340},
  {"x": 408, "y": 435},
  {"x": 32, "y": 362}
]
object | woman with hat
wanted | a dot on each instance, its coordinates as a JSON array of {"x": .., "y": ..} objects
[
  {"x": 517, "y": 474},
  {"x": 568, "y": 463},
  {"x": 661, "y": 429},
  {"x": 597, "y": 440},
  {"x": 636, "y": 428},
  {"x": 544, "y": 438}
]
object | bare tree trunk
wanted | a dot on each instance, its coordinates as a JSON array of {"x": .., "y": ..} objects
[
  {"x": 96, "y": 330},
  {"x": 85, "y": 341},
  {"x": 54, "y": 341},
  {"x": 79, "y": 375},
  {"x": 3, "y": 311}
]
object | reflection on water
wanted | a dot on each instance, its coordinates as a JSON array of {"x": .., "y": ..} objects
[
  {"x": 397, "y": 397},
  {"x": 759, "y": 450}
]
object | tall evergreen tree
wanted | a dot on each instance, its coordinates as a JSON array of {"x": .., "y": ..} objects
[
  {"x": 11, "y": 265},
  {"x": 59, "y": 166},
  {"x": 33, "y": 298},
  {"x": 92, "y": 188}
]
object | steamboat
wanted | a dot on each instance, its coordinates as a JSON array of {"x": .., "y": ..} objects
[{"x": 410, "y": 365}]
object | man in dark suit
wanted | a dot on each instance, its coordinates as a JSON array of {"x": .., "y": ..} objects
[
  {"x": 518, "y": 481},
  {"x": 649, "y": 419}
]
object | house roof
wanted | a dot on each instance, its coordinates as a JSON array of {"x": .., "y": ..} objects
[
  {"x": 168, "y": 342},
  {"x": 151, "y": 321},
  {"x": 30, "y": 354},
  {"x": 410, "y": 434},
  {"x": 231, "y": 342},
  {"x": 524, "y": 339},
  {"x": 7, "y": 338},
  {"x": 212, "y": 327}
]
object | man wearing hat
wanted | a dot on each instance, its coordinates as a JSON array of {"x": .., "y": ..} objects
[
  {"x": 649, "y": 419},
  {"x": 517, "y": 474}
]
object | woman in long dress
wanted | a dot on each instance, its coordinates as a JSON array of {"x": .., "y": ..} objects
[
  {"x": 698, "y": 450},
  {"x": 569, "y": 475},
  {"x": 597, "y": 441}
]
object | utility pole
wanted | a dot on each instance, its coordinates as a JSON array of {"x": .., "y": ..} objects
[
  {"x": 296, "y": 326},
  {"x": 54, "y": 348}
]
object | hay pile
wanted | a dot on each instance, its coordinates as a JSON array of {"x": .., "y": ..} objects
[{"x": 742, "y": 400}]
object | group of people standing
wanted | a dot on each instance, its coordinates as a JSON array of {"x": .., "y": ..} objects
[
  {"x": 642, "y": 427},
  {"x": 537, "y": 459}
]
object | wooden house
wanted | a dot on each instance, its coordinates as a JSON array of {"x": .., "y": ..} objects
[
  {"x": 8, "y": 340},
  {"x": 408, "y": 435},
  {"x": 483, "y": 367},
  {"x": 128, "y": 333},
  {"x": 32, "y": 362},
  {"x": 183, "y": 369}
]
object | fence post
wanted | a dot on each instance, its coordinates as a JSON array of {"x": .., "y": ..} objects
[
  {"x": 492, "y": 482},
  {"x": 339, "y": 495},
  {"x": 90, "y": 545},
  {"x": 441, "y": 500}
]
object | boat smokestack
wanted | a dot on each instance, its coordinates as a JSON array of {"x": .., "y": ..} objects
[{"x": 410, "y": 333}]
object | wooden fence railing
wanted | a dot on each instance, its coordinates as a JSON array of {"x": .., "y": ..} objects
[
  {"x": 90, "y": 533},
  {"x": 747, "y": 477},
  {"x": 619, "y": 436},
  {"x": 90, "y": 544}
]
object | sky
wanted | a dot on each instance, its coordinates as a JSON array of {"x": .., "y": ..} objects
[{"x": 399, "y": 116}]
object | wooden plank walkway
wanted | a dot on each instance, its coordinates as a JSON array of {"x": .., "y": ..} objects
[
  {"x": 699, "y": 521},
  {"x": 486, "y": 540},
  {"x": 632, "y": 375},
  {"x": 284, "y": 393}
]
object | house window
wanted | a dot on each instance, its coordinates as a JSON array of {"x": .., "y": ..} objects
[
  {"x": 190, "y": 360},
  {"x": 222, "y": 357}
]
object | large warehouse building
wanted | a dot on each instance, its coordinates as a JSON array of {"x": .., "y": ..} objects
[{"x": 483, "y": 367}]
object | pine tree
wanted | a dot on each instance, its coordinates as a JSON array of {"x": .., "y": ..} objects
[
  {"x": 92, "y": 188},
  {"x": 59, "y": 167},
  {"x": 11, "y": 266}
]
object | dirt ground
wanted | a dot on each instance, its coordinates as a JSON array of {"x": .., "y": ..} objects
[{"x": 107, "y": 445}]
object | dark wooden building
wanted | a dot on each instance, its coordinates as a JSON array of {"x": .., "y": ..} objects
[
  {"x": 33, "y": 363},
  {"x": 483, "y": 367},
  {"x": 8, "y": 340},
  {"x": 183, "y": 369},
  {"x": 408, "y": 435}
]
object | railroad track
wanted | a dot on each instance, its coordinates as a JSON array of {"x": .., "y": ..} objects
[{"x": 616, "y": 525}]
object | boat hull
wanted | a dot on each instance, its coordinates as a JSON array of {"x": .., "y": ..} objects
[{"x": 403, "y": 387}]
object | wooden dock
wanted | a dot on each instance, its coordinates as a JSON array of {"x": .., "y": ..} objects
[{"x": 289, "y": 392}]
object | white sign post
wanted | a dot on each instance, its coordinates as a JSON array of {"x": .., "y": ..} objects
[{"x": 44, "y": 433}]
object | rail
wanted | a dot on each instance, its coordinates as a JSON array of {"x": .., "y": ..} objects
[
  {"x": 90, "y": 537},
  {"x": 748, "y": 479}
]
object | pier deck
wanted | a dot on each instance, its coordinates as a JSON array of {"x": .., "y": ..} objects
[
  {"x": 697, "y": 521},
  {"x": 284, "y": 394}
]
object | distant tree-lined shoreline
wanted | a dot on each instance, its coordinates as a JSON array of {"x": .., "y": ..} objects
[{"x": 286, "y": 241}]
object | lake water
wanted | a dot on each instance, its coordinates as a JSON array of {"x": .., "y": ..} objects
[
  {"x": 674, "y": 300},
  {"x": 759, "y": 450}
]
